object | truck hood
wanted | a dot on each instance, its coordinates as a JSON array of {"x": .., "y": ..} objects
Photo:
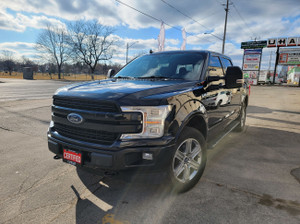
[{"x": 126, "y": 92}]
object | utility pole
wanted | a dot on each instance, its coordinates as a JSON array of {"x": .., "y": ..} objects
[{"x": 225, "y": 26}]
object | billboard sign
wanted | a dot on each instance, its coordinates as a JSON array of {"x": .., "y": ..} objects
[
  {"x": 254, "y": 44},
  {"x": 289, "y": 57},
  {"x": 252, "y": 59},
  {"x": 251, "y": 77}
]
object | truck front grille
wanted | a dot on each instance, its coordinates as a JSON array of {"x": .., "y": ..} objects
[
  {"x": 87, "y": 135},
  {"x": 103, "y": 122}
]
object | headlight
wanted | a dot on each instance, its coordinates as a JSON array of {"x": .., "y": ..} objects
[{"x": 153, "y": 121}]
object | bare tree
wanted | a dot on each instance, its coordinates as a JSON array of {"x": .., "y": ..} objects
[
  {"x": 91, "y": 43},
  {"x": 8, "y": 60},
  {"x": 53, "y": 44},
  {"x": 26, "y": 62}
]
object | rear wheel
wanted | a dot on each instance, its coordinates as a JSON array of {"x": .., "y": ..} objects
[{"x": 188, "y": 161}]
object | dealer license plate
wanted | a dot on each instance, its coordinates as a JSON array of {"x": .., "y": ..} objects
[{"x": 72, "y": 157}]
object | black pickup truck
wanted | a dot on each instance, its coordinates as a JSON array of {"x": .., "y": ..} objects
[{"x": 159, "y": 113}]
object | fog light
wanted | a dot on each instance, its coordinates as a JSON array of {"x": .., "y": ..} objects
[{"x": 147, "y": 156}]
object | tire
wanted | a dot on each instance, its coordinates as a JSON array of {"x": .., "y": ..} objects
[
  {"x": 188, "y": 160},
  {"x": 242, "y": 119}
]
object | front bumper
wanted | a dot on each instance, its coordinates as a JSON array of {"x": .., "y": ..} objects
[{"x": 127, "y": 157}]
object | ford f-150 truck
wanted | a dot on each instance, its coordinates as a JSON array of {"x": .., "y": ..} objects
[{"x": 156, "y": 114}]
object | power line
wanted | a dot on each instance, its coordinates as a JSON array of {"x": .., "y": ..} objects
[
  {"x": 154, "y": 18},
  {"x": 219, "y": 2},
  {"x": 190, "y": 18},
  {"x": 159, "y": 20},
  {"x": 237, "y": 24},
  {"x": 242, "y": 18}
]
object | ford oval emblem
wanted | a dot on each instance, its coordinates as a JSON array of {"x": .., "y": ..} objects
[{"x": 75, "y": 118}]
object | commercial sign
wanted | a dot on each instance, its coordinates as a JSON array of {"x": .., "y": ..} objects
[
  {"x": 252, "y": 59},
  {"x": 251, "y": 64},
  {"x": 254, "y": 44},
  {"x": 283, "y": 42},
  {"x": 251, "y": 76},
  {"x": 289, "y": 57},
  {"x": 263, "y": 75},
  {"x": 293, "y": 76}
]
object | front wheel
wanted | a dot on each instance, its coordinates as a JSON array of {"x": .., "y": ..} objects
[{"x": 188, "y": 161}]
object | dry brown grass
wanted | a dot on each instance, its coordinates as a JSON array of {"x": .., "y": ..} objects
[{"x": 46, "y": 76}]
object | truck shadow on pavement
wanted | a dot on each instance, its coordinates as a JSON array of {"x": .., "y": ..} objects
[
  {"x": 141, "y": 199},
  {"x": 258, "y": 110},
  {"x": 118, "y": 196},
  {"x": 264, "y": 110}
]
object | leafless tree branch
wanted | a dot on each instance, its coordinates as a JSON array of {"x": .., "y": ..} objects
[
  {"x": 52, "y": 43},
  {"x": 91, "y": 42}
]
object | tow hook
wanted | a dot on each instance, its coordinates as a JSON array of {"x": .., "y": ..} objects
[{"x": 56, "y": 157}]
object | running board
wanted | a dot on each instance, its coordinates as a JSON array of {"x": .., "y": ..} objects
[{"x": 211, "y": 145}]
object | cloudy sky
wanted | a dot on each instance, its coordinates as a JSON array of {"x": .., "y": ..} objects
[{"x": 22, "y": 20}]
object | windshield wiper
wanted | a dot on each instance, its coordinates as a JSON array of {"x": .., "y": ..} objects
[
  {"x": 123, "y": 77},
  {"x": 154, "y": 77}
]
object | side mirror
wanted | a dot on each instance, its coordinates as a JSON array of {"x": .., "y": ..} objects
[
  {"x": 110, "y": 73},
  {"x": 233, "y": 77}
]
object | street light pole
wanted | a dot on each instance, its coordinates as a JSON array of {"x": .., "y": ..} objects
[
  {"x": 224, "y": 36},
  {"x": 127, "y": 52},
  {"x": 127, "y": 47}
]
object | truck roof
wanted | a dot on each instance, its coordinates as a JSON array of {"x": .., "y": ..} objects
[{"x": 191, "y": 51}]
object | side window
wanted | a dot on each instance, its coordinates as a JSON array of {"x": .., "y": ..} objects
[
  {"x": 225, "y": 63},
  {"x": 215, "y": 67}
]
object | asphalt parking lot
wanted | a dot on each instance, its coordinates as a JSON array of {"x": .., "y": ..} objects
[{"x": 253, "y": 177}]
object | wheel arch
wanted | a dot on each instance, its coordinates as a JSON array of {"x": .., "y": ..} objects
[{"x": 195, "y": 120}]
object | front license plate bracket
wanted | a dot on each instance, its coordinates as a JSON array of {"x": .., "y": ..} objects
[{"x": 72, "y": 157}]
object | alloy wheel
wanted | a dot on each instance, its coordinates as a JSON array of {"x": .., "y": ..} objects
[{"x": 187, "y": 160}]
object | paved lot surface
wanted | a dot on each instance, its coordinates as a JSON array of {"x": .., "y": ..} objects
[
  {"x": 252, "y": 177},
  {"x": 19, "y": 89}
]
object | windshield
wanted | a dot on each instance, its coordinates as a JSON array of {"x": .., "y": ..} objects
[{"x": 186, "y": 66}]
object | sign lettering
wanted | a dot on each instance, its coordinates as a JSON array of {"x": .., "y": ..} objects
[
  {"x": 254, "y": 44},
  {"x": 281, "y": 42},
  {"x": 292, "y": 41},
  {"x": 272, "y": 42}
]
